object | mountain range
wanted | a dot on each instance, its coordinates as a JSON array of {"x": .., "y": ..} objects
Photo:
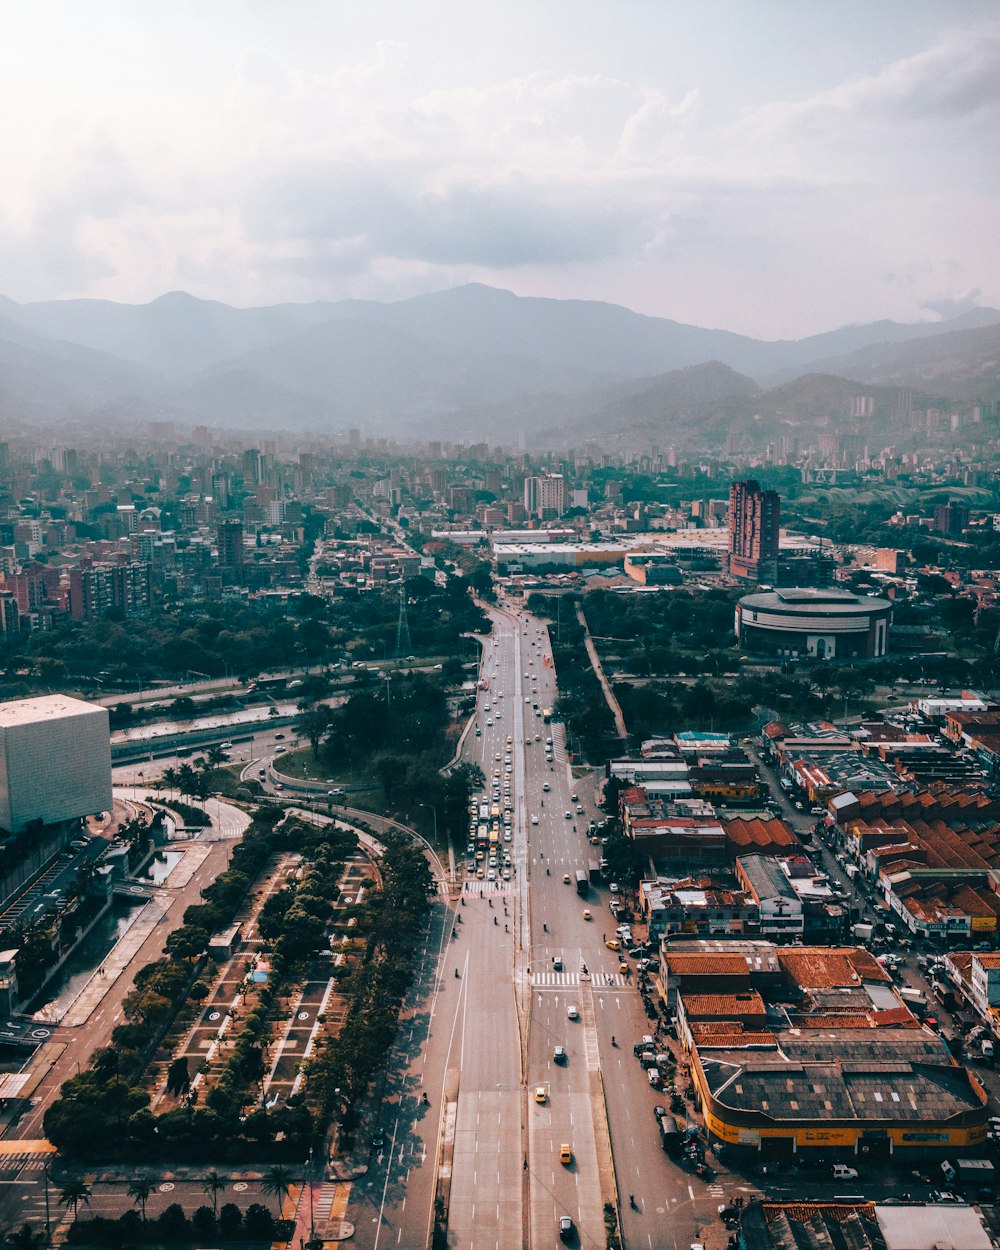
[{"x": 468, "y": 363}]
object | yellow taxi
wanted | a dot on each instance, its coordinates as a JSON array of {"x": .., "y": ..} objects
[
  {"x": 565, "y": 878},
  {"x": 587, "y": 914},
  {"x": 541, "y": 1094},
  {"x": 613, "y": 944},
  {"x": 565, "y": 1153}
]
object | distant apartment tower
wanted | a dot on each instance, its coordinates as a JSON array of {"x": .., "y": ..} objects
[
  {"x": 229, "y": 537},
  {"x": 754, "y": 526},
  {"x": 545, "y": 497},
  {"x": 951, "y": 518},
  {"x": 253, "y": 466},
  {"x": 55, "y": 761},
  {"x": 126, "y": 589}
]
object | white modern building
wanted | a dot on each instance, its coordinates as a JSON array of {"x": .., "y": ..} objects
[{"x": 55, "y": 761}]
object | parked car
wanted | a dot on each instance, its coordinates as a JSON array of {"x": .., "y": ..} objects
[{"x": 841, "y": 1172}]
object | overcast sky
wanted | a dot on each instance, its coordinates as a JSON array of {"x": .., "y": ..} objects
[{"x": 776, "y": 167}]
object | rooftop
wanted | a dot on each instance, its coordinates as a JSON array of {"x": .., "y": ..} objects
[
  {"x": 45, "y": 707},
  {"x": 828, "y": 601}
]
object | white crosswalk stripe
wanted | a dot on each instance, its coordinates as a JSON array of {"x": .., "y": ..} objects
[
  {"x": 598, "y": 980},
  {"x": 12, "y": 1164},
  {"x": 486, "y": 888}
]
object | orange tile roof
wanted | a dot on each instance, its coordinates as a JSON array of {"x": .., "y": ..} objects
[
  {"x": 717, "y": 965},
  {"x": 731, "y": 1006},
  {"x": 813, "y": 967},
  {"x": 734, "y": 1041},
  {"x": 760, "y": 832}
]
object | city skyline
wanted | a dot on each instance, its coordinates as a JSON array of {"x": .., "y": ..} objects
[{"x": 772, "y": 170}]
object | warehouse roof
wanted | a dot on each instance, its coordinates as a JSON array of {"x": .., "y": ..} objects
[{"x": 844, "y": 1074}]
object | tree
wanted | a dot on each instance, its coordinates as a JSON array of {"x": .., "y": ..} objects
[
  {"x": 178, "y": 1076},
  {"x": 73, "y": 1193},
  {"x": 214, "y": 1184},
  {"x": 277, "y": 1183},
  {"x": 139, "y": 1191},
  {"x": 26, "y": 1238}
]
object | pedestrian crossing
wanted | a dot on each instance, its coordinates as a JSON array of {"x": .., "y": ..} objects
[
  {"x": 483, "y": 889},
  {"x": 12, "y": 1164},
  {"x": 323, "y": 1203},
  {"x": 598, "y": 980}
]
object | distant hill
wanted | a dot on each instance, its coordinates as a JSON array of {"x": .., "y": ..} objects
[
  {"x": 962, "y": 364},
  {"x": 471, "y": 362}
]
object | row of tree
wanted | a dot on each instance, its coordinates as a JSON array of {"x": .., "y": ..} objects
[
  {"x": 395, "y": 918},
  {"x": 109, "y": 1092}
]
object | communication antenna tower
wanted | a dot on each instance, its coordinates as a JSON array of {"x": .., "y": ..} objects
[{"x": 402, "y": 626}]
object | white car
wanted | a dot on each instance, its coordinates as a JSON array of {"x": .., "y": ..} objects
[
  {"x": 491, "y": 875},
  {"x": 572, "y": 1012},
  {"x": 534, "y": 820},
  {"x": 841, "y": 1172}
]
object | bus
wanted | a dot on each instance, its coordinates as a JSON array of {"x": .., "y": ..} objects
[{"x": 582, "y": 882}]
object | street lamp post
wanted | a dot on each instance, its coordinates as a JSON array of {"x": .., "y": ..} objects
[{"x": 434, "y": 813}]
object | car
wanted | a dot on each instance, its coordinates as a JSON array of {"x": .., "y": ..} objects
[
  {"x": 567, "y": 1228},
  {"x": 841, "y": 1172},
  {"x": 565, "y": 1153},
  {"x": 479, "y": 732},
  {"x": 568, "y": 815},
  {"x": 527, "y": 698},
  {"x": 557, "y": 963},
  {"x": 565, "y": 878},
  {"x": 572, "y": 1011},
  {"x": 479, "y": 872},
  {"x": 491, "y": 875},
  {"x": 534, "y": 820},
  {"x": 489, "y": 720},
  {"x": 541, "y": 1094},
  {"x": 506, "y": 874},
  {"x": 613, "y": 887},
  {"x": 587, "y": 914},
  {"x": 559, "y": 1055},
  {"x": 613, "y": 944},
  {"x": 945, "y": 1195},
  {"x": 546, "y": 787},
  {"x": 579, "y": 810},
  {"x": 278, "y": 737}
]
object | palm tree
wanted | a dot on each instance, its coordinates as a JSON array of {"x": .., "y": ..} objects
[
  {"x": 73, "y": 1193},
  {"x": 139, "y": 1191},
  {"x": 214, "y": 1184},
  {"x": 277, "y": 1183},
  {"x": 170, "y": 779}
]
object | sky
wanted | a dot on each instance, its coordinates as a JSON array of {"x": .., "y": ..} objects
[{"x": 772, "y": 167}]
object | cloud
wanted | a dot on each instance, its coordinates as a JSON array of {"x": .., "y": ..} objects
[
  {"x": 957, "y": 78},
  {"x": 955, "y": 307}
]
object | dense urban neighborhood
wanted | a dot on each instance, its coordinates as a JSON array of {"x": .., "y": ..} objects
[{"x": 440, "y": 845}]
